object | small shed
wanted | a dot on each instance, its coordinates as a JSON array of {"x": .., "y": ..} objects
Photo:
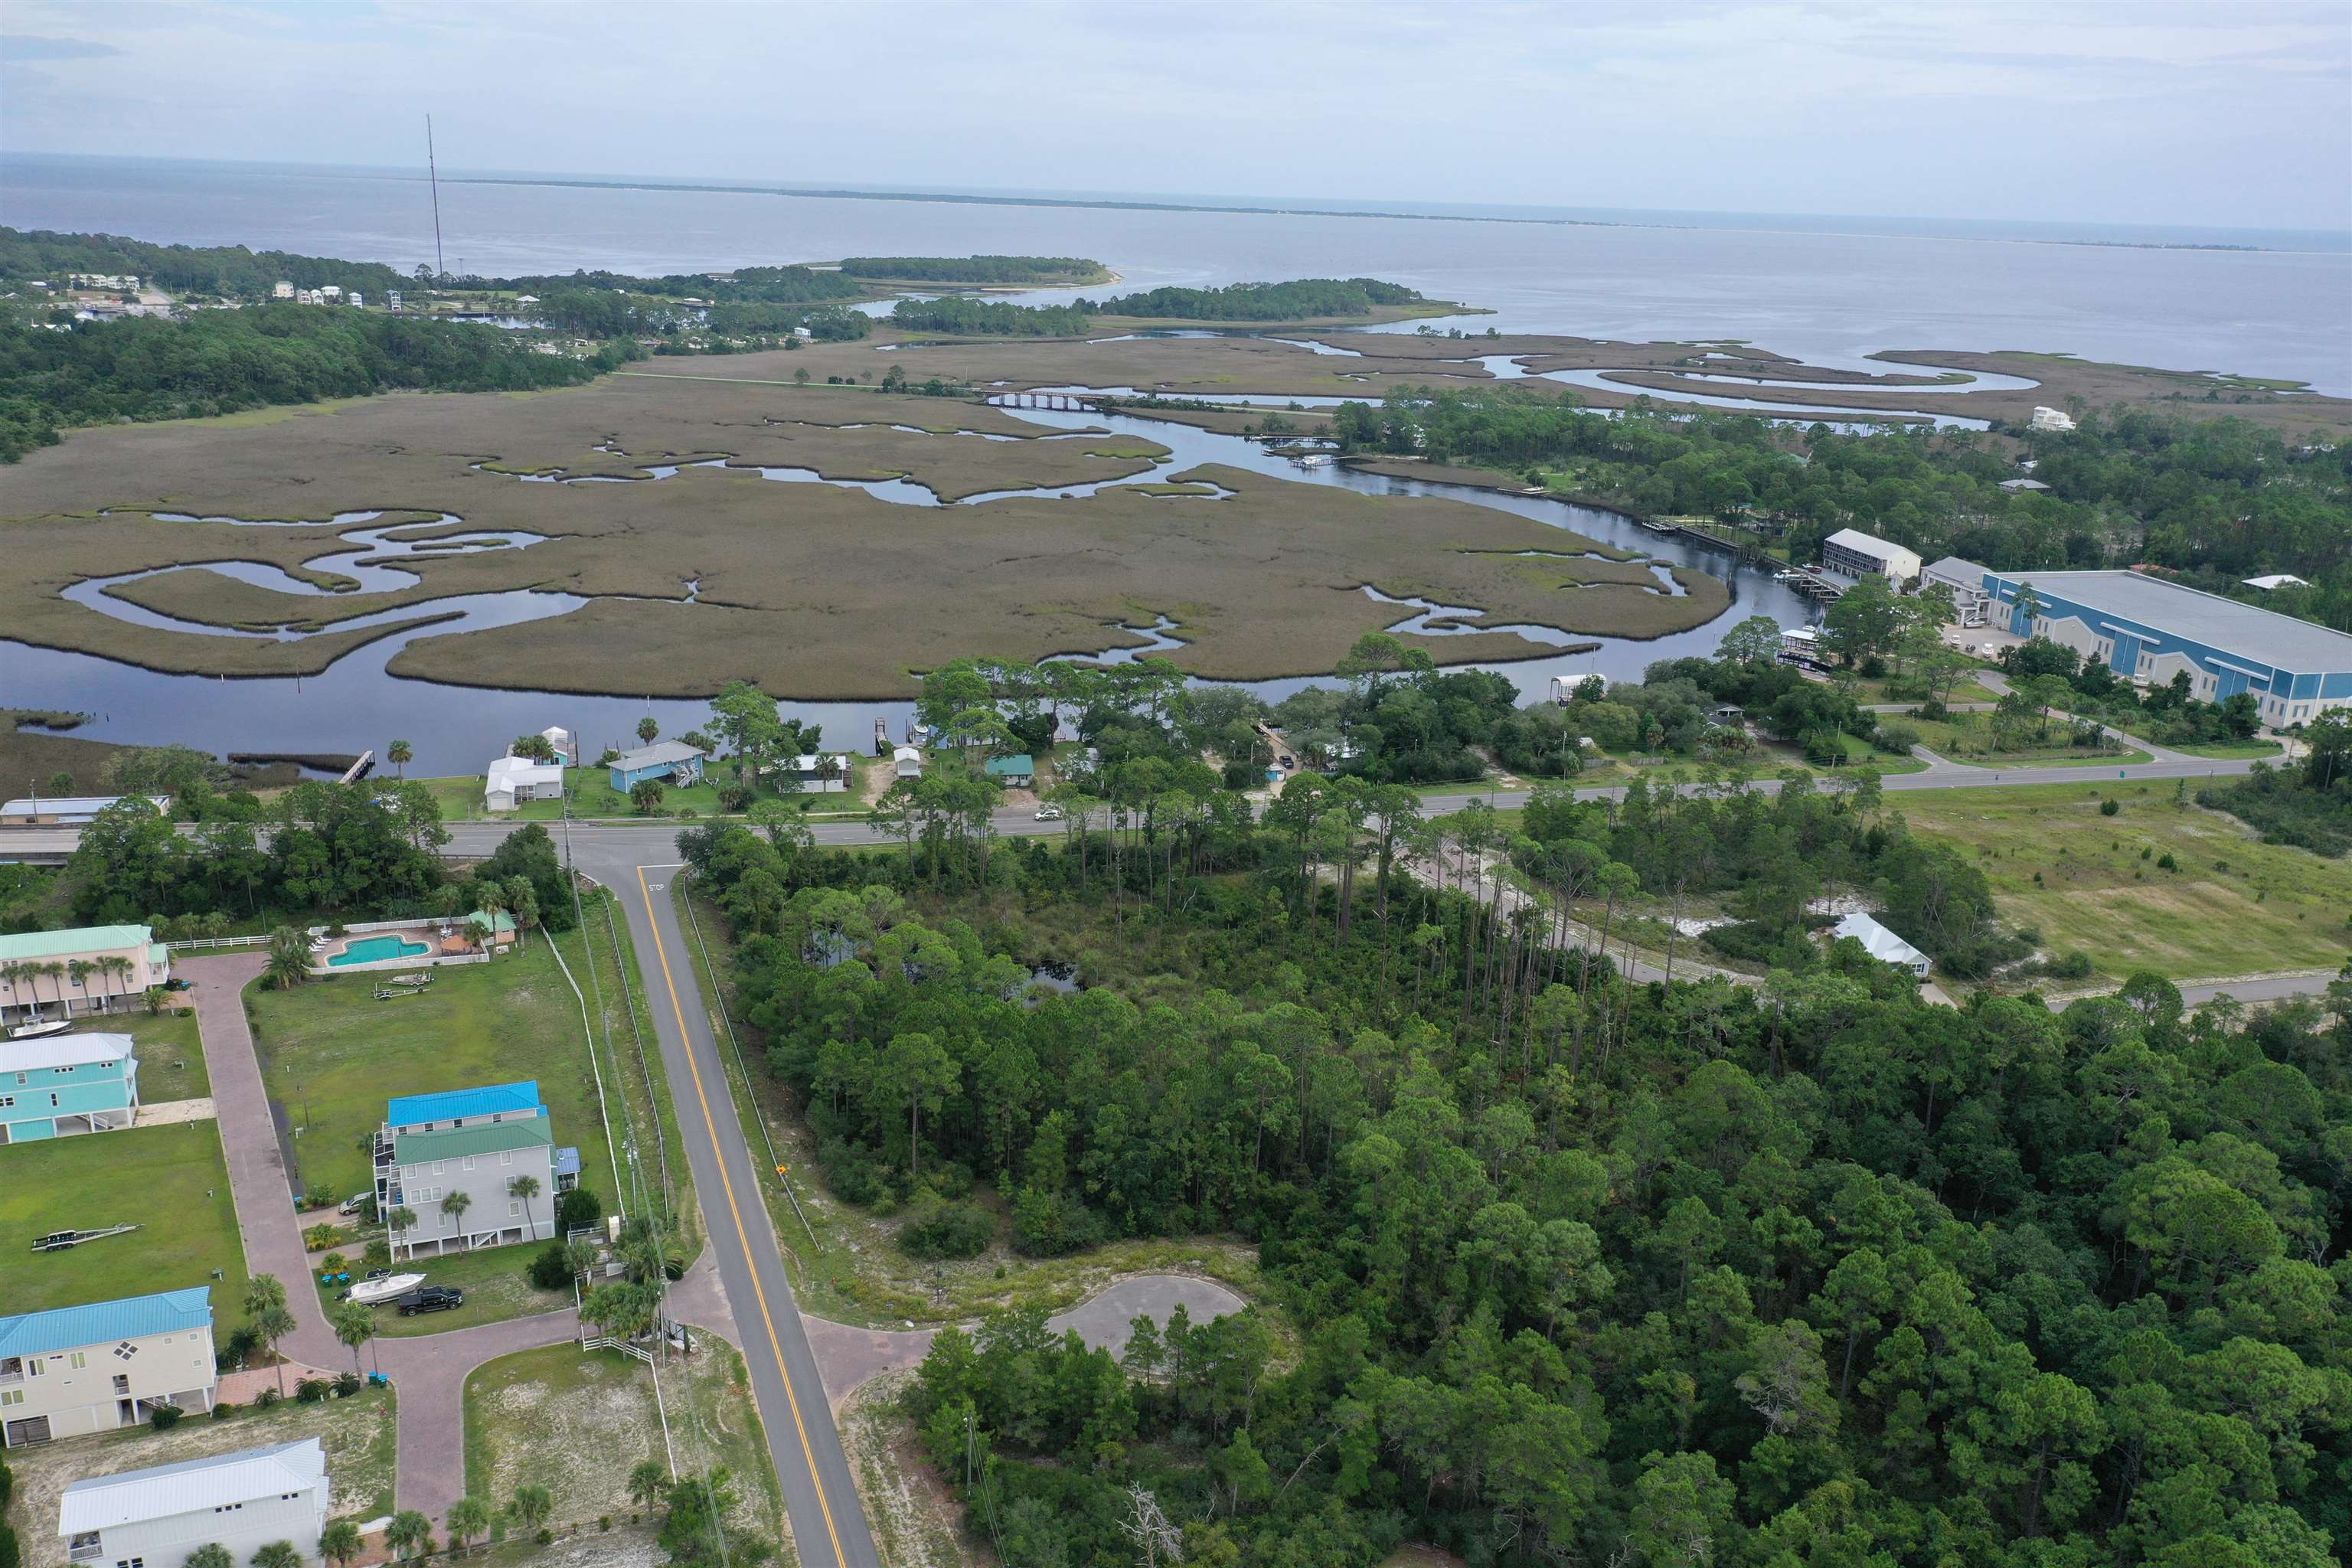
[
  {"x": 907, "y": 762},
  {"x": 673, "y": 762},
  {"x": 1882, "y": 945},
  {"x": 1018, "y": 771}
]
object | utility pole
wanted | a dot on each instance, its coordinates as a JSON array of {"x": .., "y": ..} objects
[{"x": 433, "y": 171}]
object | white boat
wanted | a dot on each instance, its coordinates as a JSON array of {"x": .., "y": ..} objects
[
  {"x": 1313, "y": 460},
  {"x": 369, "y": 1291},
  {"x": 35, "y": 1031}
]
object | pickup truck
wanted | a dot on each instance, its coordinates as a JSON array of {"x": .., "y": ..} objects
[{"x": 431, "y": 1298}]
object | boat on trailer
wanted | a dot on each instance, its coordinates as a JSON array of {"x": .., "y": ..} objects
[{"x": 370, "y": 1291}]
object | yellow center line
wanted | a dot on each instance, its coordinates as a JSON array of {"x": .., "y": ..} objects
[{"x": 766, "y": 1316}]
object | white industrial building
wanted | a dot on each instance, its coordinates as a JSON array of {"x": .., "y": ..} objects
[
  {"x": 160, "y": 1516},
  {"x": 1965, "y": 579},
  {"x": 1882, "y": 945}
]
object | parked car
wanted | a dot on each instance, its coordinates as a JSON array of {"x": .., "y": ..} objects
[
  {"x": 431, "y": 1298},
  {"x": 1049, "y": 814},
  {"x": 353, "y": 1203}
]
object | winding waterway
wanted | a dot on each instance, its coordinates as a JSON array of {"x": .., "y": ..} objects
[{"x": 356, "y": 704}]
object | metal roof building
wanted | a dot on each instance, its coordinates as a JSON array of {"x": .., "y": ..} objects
[
  {"x": 101, "y": 1501},
  {"x": 129, "y": 1318},
  {"x": 1882, "y": 945},
  {"x": 458, "y": 1106},
  {"x": 2145, "y": 628}
]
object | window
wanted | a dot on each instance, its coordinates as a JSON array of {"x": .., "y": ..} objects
[
  {"x": 506, "y": 1157},
  {"x": 469, "y": 1163},
  {"x": 8, "y": 1100},
  {"x": 32, "y": 1365},
  {"x": 78, "y": 1360},
  {"x": 121, "y": 1382},
  {"x": 437, "y": 1165},
  {"x": 513, "y": 1209},
  {"x": 53, "y": 1100},
  {"x": 12, "y": 1397}
]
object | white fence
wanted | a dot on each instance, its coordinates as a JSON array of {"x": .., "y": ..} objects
[{"x": 607, "y": 1342}]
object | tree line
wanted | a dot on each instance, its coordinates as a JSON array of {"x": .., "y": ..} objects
[
  {"x": 983, "y": 269},
  {"x": 2214, "y": 500},
  {"x": 1294, "y": 301}
]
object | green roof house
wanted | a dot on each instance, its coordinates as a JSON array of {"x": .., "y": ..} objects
[{"x": 1016, "y": 771}]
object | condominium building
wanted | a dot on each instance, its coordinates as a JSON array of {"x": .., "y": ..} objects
[{"x": 75, "y": 1370}]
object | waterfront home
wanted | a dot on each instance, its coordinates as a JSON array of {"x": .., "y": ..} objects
[
  {"x": 476, "y": 1142},
  {"x": 67, "y": 810},
  {"x": 165, "y": 1513},
  {"x": 76, "y": 1370},
  {"x": 560, "y": 740},
  {"x": 2050, "y": 419},
  {"x": 516, "y": 781},
  {"x": 1850, "y": 552},
  {"x": 60, "y": 1086},
  {"x": 1018, "y": 771},
  {"x": 1881, "y": 943},
  {"x": 815, "y": 773},
  {"x": 671, "y": 761},
  {"x": 44, "y": 973}
]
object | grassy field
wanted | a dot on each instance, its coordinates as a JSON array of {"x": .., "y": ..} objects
[
  {"x": 1966, "y": 739},
  {"x": 2234, "y": 906},
  {"x": 845, "y": 1263},
  {"x": 576, "y": 1421},
  {"x": 494, "y": 1290},
  {"x": 166, "y": 1040},
  {"x": 2234, "y": 751},
  {"x": 359, "y": 1434},
  {"x": 168, "y": 1181}
]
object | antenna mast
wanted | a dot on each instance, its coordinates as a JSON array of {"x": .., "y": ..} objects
[{"x": 433, "y": 171}]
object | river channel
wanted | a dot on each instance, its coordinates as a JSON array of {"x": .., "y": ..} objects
[{"x": 356, "y": 704}]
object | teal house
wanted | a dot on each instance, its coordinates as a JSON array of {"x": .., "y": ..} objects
[
  {"x": 671, "y": 761},
  {"x": 63, "y": 1085},
  {"x": 1016, "y": 771}
]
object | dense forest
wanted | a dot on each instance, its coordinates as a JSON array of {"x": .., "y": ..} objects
[
  {"x": 980, "y": 270},
  {"x": 225, "y": 271},
  {"x": 2215, "y": 501},
  {"x": 1297, "y": 300},
  {"x": 216, "y": 361},
  {"x": 1559, "y": 1268}
]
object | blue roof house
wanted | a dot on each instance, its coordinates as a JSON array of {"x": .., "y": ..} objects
[
  {"x": 672, "y": 761},
  {"x": 478, "y": 1141},
  {"x": 103, "y": 1365},
  {"x": 63, "y": 1085}
]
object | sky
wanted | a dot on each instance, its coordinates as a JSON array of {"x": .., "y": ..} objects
[{"x": 2223, "y": 114}]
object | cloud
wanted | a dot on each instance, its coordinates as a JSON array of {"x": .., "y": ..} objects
[{"x": 15, "y": 47}]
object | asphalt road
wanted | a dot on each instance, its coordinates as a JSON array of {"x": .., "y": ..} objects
[{"x": 828, "y": 1523}]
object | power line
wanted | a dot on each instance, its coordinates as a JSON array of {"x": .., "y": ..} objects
[{"x": 433, "y": 171}]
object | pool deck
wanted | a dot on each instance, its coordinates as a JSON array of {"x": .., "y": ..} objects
[{"x": 425, "y": 941}]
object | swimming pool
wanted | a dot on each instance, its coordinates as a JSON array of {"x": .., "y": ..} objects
[{"x": 377, "y": 949}]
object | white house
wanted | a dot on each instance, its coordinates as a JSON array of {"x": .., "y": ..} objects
[
  {"x": 2050, "y": 419},
  {"x": 512, "y": 781},
  {"x": 907, "y": 762},
  {"x": 567, "y": 750},
  {"x": 331, "y": 292},
  {"x": 1882, "y": 945},
  {"x": 281, "y": 290},
  {"x": 240, "y": 1501},
  {"x": 1800, "y": 645},
  {"x": 75, "y": 1370},
  {"x": 814, "y": 773},
  {"x": 2276, "y": 580},
  {"x": 357, "y": 298}
]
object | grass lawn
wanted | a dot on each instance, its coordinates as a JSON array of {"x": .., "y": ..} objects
[
  {"x": 592, "y": 795},
  {"x": 359, "y": 1435},
  {"x": 166, "y": 1041},
  {"x": 154, "y": 1177},
  {"x": 1966, "y": 739},
  {"x": 2234, "y": 751},
  {"x": 576, "y": 1421},
  {"x": 2236, "y": 905},
  {"x": 494, "y": 1290},
  {"x": 853, "y": 1271},
  {"x": 332, "y": 1055}
]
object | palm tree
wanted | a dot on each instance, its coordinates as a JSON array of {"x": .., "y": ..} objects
[
  {"x": 454, "y": 1205},
  {"x": 399, "y": 1220},
  {"x": 289, "y": 958},
  {"x": 356, "y": 1326},
  {"x": 526, "y": 1188},
  {"x": 14, "y": 975},
  {"x": 264, "y": 1304},
  {"x": 522, "y": 902},
  {"x": 647, "y": 728},
  {"x": 468, "y": 1516},
  {"x": 79, "y": 970},
  {"x": 478, "y": 931},
  {"x": 531, "y": 1508},
  {"x": 211, "y": 1554},
  {"x": 646, "y": 1483},
  {"x": 117, "y": 969},
  {"x": 57, "y": 973},
  {"x": 339, "y": 1541},
  {"x": 400, "y": 753},
  {"x": 491, "y": 899},
  {"x": 409, "y": 1532},
  {"x": 278, "y": 1554}
]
